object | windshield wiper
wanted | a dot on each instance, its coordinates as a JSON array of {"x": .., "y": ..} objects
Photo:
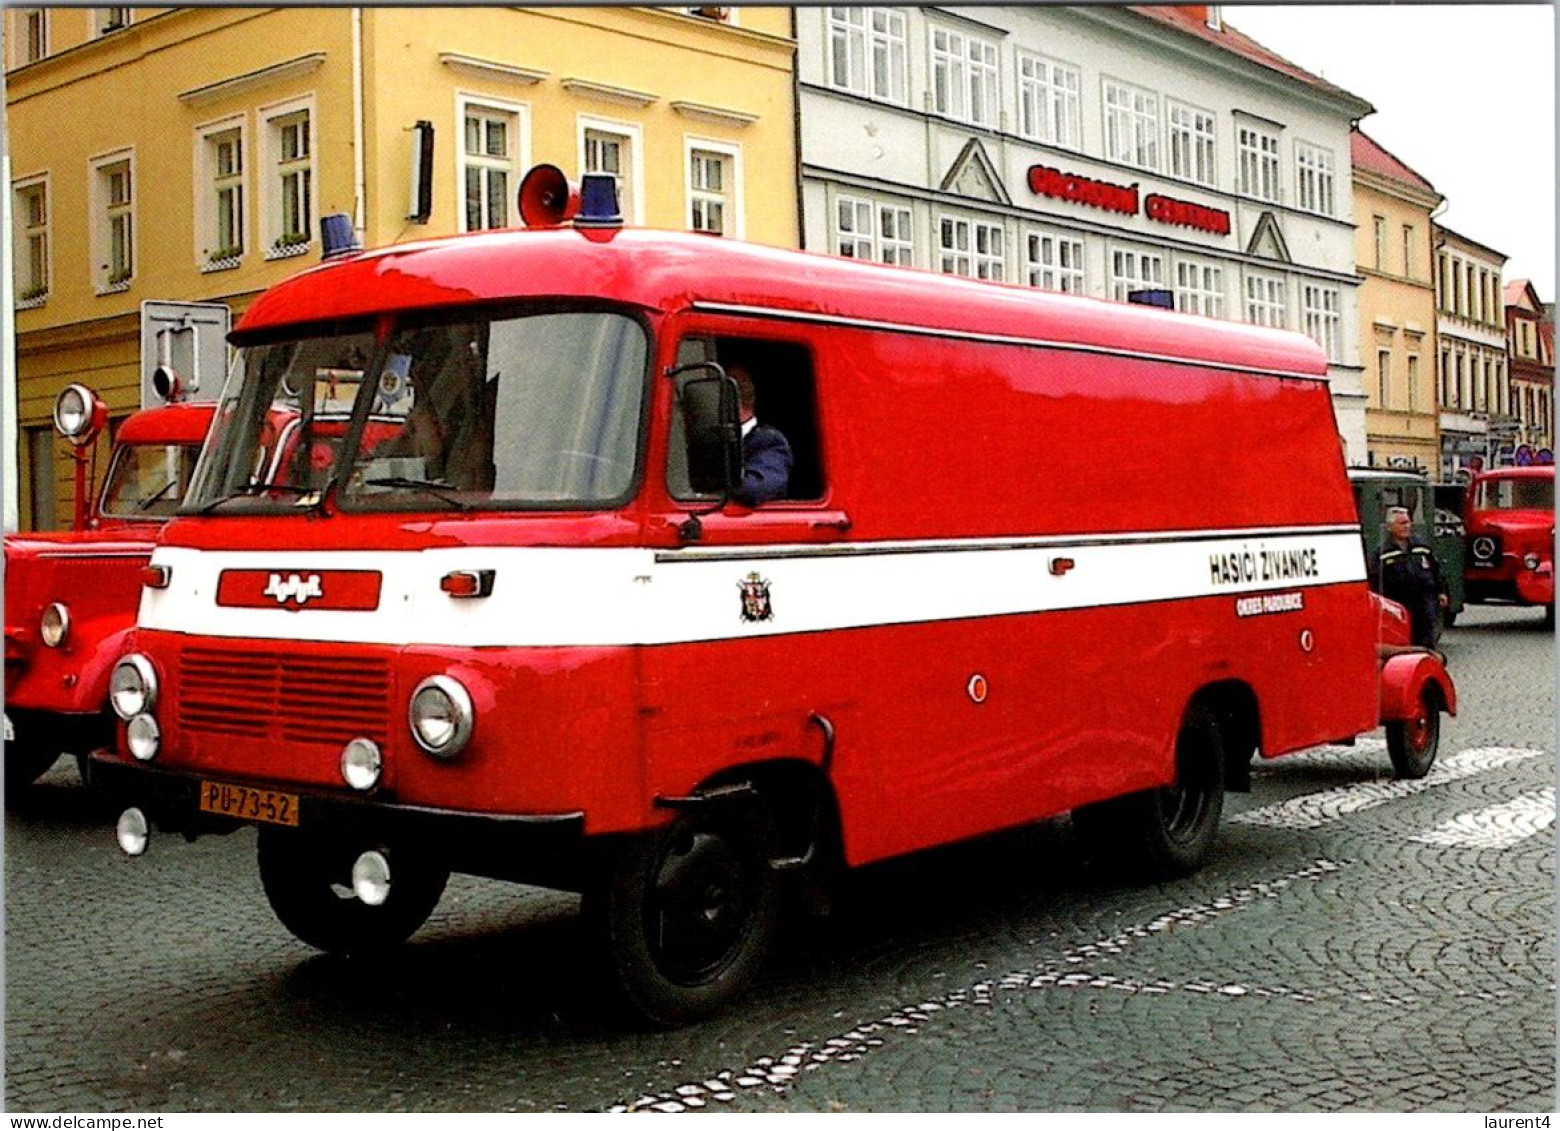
[
  {"x": 161, "y": 491},
  {"x": 440, "y": 491},
  {"x": 257, "y": 488}
]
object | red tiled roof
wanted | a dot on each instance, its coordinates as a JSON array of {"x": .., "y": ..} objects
[
  {"x": 1515, "y": 290},
  {"x": 1193, "y": 19},
  {"x": 1369, "y": 154}
]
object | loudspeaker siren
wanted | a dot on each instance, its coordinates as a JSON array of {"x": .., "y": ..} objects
[{"x": 547, "y": 198}]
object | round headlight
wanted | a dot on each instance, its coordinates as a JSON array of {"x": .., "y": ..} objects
[
  {"x": 143, "y": 737},
  {"x": 371, "y": 878},
  {"x": 441, "y": 716},
  {"x": 132, "y": 832},
  {"x": 132, "y": 689},
  {"x": 73, "y": 411},
  {"x": 361, "y": 764},
  {"x": 1531, "y": 561},
  {"x": 54, "y": 625}
]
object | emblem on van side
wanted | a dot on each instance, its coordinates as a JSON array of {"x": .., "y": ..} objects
[{"x": 755, "y": 598}]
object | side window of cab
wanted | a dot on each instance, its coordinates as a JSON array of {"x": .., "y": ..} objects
[{"x": 783, "y": 411}]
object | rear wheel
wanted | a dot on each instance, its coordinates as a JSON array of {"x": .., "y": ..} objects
[
  {"x": 308, "y": 882},
  {"x": 1412, "y": 743},
  {"x": 1169, "y": 831},
  {"x": 685, "y": 916}
]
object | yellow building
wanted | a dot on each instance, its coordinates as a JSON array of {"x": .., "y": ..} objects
[
  {"x": 188, "y": 154},
  {"x": 1395, "y": 257}
]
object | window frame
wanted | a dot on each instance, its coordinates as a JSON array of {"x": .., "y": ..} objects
[
  {"x": 633, "y": 209},
  {"x": 32, "y": 288},
  {"x": 894, "y": 43},
  {"x": 518, "y": 116},
  {"x": 1056, "y": 109},
  {"x": 1121, "y": 284},
  {"x": 212, "y": 184},
  {"x": 104, "y": 23},
  {"x": 1140, "y": 124},
  {"x": 1261, "y": 293},
  {"x": 730, "y": 155},
  {"x": 1259, "y": 163},
  {"x": 1204, "y": 294},
  {"x": 955, "y": 77},
  {"x": 1325, "y": 318},
  {"x": 275, "y": 169},
  {"x": 31, "y": 43},
  {"x": 1056, "y": 275},
  {"x": 1201, "y": 145},
  {"x": 1315, "y": 176},
  {"x": 114, "y": 227}
]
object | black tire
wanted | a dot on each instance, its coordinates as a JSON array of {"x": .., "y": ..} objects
[
  {"x": 1412, "y": 743},
  {"x": 1170, "y": 831},
  {"x": 685, "y": 917},
  {"x": 1549, "y": 616},
  {"x": 308, "y": 882}
]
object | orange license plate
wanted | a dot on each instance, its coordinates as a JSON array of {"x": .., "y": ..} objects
[{"x": 266, "y": 805}]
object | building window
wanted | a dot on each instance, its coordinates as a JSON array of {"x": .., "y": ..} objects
[
  {"x": 114, "y": 191},
  {"x": 612, "y": 151},
  {"x": 1408, "y": 252},
  {"x": 219, "y": 154},
  {"x": 111, "y": 19},
  {"x": 1266, "y": 302},
  {"x": 289, "y": 181},
  {"x": 866, "y": 229},
  {"x": 1381, "y": 242},
  {"x": 1048, "y": 101},
  {"x": 964, "y": 77},
  {"x": 32, "y": 35},
  {"x": 711, "y": 192},
  {"x": 1320, "y": 311},
  {"x": 867, "y": 50},
  {"x": 32, "y": 242},
  {"x": 1258, "y": 150},
  {"x": 990, "y": 252},
  {"x": 1055, "y": 262},
  {"x": 1132, "y": 270},
  {"x": 895, "y": 241},
  {"x": 1199, "y": 288},
  {"x": 953, "y": 246},
  {"x": 1191, "y": 143},
  {"x": 490, "y": 155},
  {"x": 1384, "y": 378},
  {"x": 1413, "y": 382},
  {"x": 1314, "y": 169},
  {"x": 1131, "y": 125}
]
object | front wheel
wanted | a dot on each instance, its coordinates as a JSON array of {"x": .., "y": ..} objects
[
  {"x": 1412, "y": 743},
  {"x": 1169, "y": 831},
  {"x": 685, "y": 917},
  {"x": 308, "y": 882}
]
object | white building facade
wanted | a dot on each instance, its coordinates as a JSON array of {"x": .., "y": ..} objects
[
  {"x": 1478, "y": 418},
  {"x": 1096, "y": 150}
]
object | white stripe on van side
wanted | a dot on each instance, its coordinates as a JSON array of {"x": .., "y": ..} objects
[{"x": 544, "y": 596}]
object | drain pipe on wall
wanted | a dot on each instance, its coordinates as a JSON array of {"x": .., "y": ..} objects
[{"x": 359, "y": 161}]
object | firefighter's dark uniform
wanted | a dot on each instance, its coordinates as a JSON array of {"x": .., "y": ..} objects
[{"x": 1411, "y": 576}]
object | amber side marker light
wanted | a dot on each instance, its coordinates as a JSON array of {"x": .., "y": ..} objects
[
  {"x": 468, "y": 583},
  {"x": 156, "y": 576}
]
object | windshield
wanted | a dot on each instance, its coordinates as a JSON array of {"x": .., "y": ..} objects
[
  {"x": 533, "y": 410},
  {"x": 1516, "y": 495},
  {"x": 148, "y": 480}
]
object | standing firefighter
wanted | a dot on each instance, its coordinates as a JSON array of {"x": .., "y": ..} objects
[{"x": 1405, "y": 570}]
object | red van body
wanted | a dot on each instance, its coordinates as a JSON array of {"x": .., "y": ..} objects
[
  {"x": 56, "y": 696},
  {"x": 1509, "y": 515},
  {"x": 1041, "y": 553}
]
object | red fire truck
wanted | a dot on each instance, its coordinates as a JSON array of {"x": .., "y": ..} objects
[
  {"x": 1036, "y": 553},
  {"x": 1509, "y": 513},
  {"x": 70, "y": 597}
]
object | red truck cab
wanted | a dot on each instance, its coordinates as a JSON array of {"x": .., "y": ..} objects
[
  {"x": 1509, "y": 513},
  {"x": 71, "y": 596}
]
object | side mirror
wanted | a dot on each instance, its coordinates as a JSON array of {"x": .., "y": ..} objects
[{"x": 714, "y": 435}]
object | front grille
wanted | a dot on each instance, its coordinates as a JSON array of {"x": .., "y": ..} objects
[{"x": 283, "y": 697}]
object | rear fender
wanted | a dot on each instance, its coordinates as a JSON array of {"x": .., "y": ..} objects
[{"x": 1404, "y": 678}]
